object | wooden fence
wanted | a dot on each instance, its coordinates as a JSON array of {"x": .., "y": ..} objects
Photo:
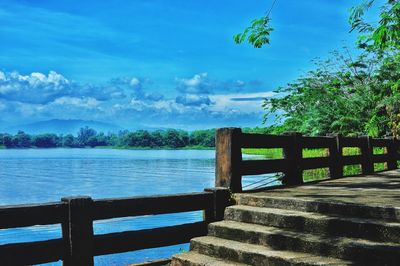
[
  {"x": 230, "y": 166},
  {"x": 79, "y": 245}
]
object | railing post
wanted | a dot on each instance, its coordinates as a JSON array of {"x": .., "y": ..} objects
[
  {"x": 294, "y": 154},
  {"x": 228, "y": 158},
  {"x": 391, "y": 150},
  {"x": 78, "y": 231},
  {"x": 222, "y": 199},
  {"x": 396, "y": 149},
  {"x": 367, "y": 152},
  {"x": 336, "y": 157}
]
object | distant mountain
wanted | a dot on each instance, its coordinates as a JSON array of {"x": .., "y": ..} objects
[{"x": 59, "y": 126}]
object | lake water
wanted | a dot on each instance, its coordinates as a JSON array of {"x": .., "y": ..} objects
[{"x": 44, "y": 175}]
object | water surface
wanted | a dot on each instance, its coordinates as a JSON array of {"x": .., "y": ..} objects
[{"x": 44, "y": 175}]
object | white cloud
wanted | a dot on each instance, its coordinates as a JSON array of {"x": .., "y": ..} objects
[
  {"x": 38, "y": 96},
  {"x": 197, "y": 84},
  {"x": 87, "y": 102},
  {"x": 195, "y": 80},
  {"x": 33, "y": 88},
  {"x": 2, "y": 76},
  {"x": 134, "y": 82},
  {"x": 243, "y": 102}
]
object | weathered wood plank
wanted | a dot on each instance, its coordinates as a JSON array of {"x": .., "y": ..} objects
[
  {"x": 78, "y": 231},
  {"x": 13, "y": 216},
  {"x": 317, "y": 142},
  {"x": 380, "y": 158},
  {"x": 228, "y": 156},
  {"x": 335, "y": 153},
  {"x": 314, "y": 163},
  {"x": 257, "y": 167},
  {"x": 352, "y": 142},
  {"x": 352, "y": 159},
  {"x": 149, "y": 238},
  {"x": 380, "y": 142},
  {"x": 29, "y": 253},
  {"x": 136, "y": 206},
  {"x": 221, "y": 200},
  {"x": 264, "y": 141},
  {"x": 294, "y": 154}
]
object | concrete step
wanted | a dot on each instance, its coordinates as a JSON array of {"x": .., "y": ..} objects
[
  {"x": 256, "y": 254},
  {"x": 193, "y": 258},
  {"x": 278, "y": 239},
  {"x": 316, "y": 223},
  {"x": 388, "y": 213}
]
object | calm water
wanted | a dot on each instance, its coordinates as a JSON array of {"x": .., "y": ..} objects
[{"x": 36, "y": 175}]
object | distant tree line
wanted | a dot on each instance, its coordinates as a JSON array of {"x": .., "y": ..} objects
[{"x": 88, "y": 137}]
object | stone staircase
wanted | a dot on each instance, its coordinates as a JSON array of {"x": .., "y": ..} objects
[{"x": 269, "y": 230}]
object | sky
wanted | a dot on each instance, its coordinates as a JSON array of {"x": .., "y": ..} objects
[{"x": 154, "y": 63}]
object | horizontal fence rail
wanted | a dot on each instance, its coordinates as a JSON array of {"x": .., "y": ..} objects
[
  {"x": 75, "y": 215},
  {"x": 230, "y": 166}
]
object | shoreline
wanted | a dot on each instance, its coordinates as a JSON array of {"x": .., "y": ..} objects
[{"x": 115, "y": 148}]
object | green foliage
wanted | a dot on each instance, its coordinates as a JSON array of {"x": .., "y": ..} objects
[
  {"x": 88, "y": 137},
  {"x": 382, "y": 37},
  {"x": 347, "y": 94},
  {"x": 257, "y": 34},
  {"x": 85, "y": 134},
  {"x": 69, "y": 141},
  {"x": 21, "y": 140},
  {"x": 205, "y": 138},
  {"x": 45, "y": 141},
  {"x": 339, "y": 96}
]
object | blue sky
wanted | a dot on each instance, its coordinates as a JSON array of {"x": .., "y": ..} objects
[{"x": 156, "y": 63}]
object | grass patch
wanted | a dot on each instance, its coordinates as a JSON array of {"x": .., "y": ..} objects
[
  {"x": 379, "y": 150},
  {"x": 348, "y": 151},
  {"x": 315, "y": 174},
  {"x": 268, "y": 153},
  {"x": 307, "y": 153},
  {"x": 354, "y": 169},
  {"x": 379, "y": 167},
  {"x": 315, "y": 153}
]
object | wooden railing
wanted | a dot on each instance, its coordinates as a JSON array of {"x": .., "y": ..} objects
[
  {"x": 79, "y": 245},
  {"x": 230, "y": 166},
  {"x": 75, "y": 215}
]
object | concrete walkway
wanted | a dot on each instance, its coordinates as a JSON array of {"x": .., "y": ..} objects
[{"x": 381, "y": 189}]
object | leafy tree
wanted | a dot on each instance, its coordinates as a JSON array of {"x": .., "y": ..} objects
[
  {"x": 158, "y": 139},
  {"x": 85, "y": 134},
  {"x": 8, "y": 141},
  {"x": 257, "y": 34},
  {"x": 205, "y": 138},
  {"x": 338, "y": 99},
  {"x": 259, "y": 31},
  {"x": 383, "y": 36},
  {"x": 22, "y": 140},
  {"x": 383, "y": 39},
  {"x": 347, "y": 95},
  {"x": 45, "y": 141},
  {"x": 176, "y": 138},
  {"x": 69, "y": 141}
]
